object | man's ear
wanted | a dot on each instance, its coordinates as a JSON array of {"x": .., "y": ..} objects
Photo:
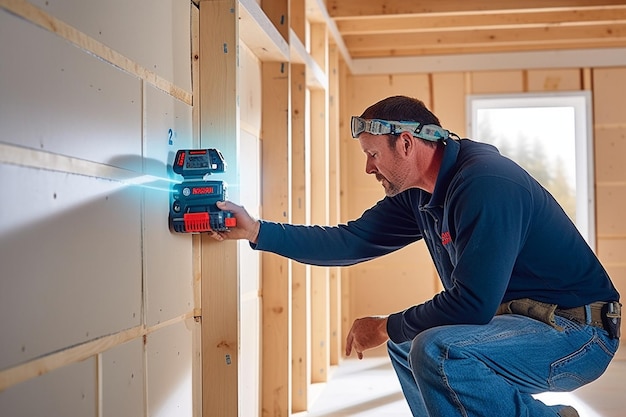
[{"x": 407, "y": 142}]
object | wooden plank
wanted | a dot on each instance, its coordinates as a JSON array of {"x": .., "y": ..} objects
[
  {"x": 477, "y": 40},
  {"x": 319, "y": 210},
  {"x": 279, "y": 14},
  {"x": 448, "y": 101},
  {"x": 465, "y": 61},
  {"x": 334, "y": 190},
  {"x": 342, "y": 8},
  {"x": 360, "y": 25},
  {"x": 554, "y": 80},
  {"x": 260, "y": 34},
  {"x": 219, "y": 128},
  {"x": 300, "y": 202},
  {"x": 609, "y": 95},
  {"x": 297, "y": 18},
  {"x": 497, "y": 82},
  {"x": 276, "y": 275}
]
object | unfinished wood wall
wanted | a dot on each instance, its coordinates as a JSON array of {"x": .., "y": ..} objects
[
  {"x": 410, "y": 271},
  {"x": 96, "y": 295}
]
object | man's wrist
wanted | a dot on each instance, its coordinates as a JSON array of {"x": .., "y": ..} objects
[{"x": 254, "y": 236}]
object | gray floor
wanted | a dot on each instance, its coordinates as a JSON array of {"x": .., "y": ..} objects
[{"x": 369, "y": 388}]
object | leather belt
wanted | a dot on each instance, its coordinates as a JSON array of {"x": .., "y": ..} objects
[{"x": 578, "y": 314}]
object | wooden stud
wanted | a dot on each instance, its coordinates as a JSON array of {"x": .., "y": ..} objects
[
  {"x": 219, "y": 128},
  {"x": 301, "y": 274},
  {"x": 334, "y": 189},
  {"x": 319, "y": 210},
  {"x": 276, "y": 274}
]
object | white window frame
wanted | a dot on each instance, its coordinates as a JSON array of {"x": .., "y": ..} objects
[{"x": 581, "y": 102}]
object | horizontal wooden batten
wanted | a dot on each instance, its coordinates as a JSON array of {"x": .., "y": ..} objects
[{"x": 78, "y": 353}]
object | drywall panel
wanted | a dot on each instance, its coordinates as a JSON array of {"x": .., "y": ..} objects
[
  {"x": 609, "y": 95},
  {"x": 554, "y": 80},
  {"x": 70, "y": 261},
  {"x": 610, "y": 149},
  {"x": 169, "y": 359},
  {"x": 123, "y": 382},
  {"x": 499, "y": 82},
  {"x": 155, "y": 34},
  {"x": 57, "y": 98},
  {"x": 69, "y": 392},
  {"x": 167, "y": 255}
]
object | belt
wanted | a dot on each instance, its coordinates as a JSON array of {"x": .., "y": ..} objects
[
  {"x": 604, "y": 315},
  {"x": 579, "y": 315}
]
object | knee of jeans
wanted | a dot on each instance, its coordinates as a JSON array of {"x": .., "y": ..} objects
[{"x": 427, "y": 347}]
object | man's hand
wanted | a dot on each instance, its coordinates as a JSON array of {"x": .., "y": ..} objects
[
  {"x": 247, "y": 226},
  {"x": 366, "y": 333}
]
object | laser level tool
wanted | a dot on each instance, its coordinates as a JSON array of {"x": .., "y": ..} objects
[{"x": 192, "y": 202}]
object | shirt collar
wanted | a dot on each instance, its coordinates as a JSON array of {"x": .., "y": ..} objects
[{"x": 450, "y": 154}]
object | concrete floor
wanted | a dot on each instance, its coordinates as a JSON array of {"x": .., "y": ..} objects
[{"x": 369, "y": 388}]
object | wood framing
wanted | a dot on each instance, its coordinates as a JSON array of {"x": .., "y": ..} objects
[
  {"x": 219, "y": 128},
  {"x": 276, "y": 271},
  {"x": 301, "y": 274}
]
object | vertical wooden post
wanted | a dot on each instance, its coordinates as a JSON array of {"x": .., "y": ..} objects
[
  {"x": 276, "y": 275},
  {"x": 301, "y": 366},
  {"x": 319, "y": 209},
  {"x": 334, "y": 189},
  {"x": 219, "y": 128}
]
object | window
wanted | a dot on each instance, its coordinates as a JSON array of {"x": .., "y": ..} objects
[{"x": 550, "y": 136}]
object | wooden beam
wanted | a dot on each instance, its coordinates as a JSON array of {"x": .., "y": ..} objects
[
  {"x": 449, "y": 42},
  {"x": 334, "y": 190},
  {"x": 301, "y": 274},
  {"x": 276, "y": 270},
  {"x": 219, "y": 128},
  {"x": 319, "y": 209},
  {"x": 343, "y": 8},
  {"x": 429, "y": 23}
]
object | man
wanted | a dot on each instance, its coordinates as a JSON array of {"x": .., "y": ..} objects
[{"x": 526, "y": 306}]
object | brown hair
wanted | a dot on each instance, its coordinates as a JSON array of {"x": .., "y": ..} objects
[{"x": 401, "y": 109}]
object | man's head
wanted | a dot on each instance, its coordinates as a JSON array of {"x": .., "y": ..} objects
[
  {"x": 402, "y": 109},
  {"x": 400, "y": 160}
]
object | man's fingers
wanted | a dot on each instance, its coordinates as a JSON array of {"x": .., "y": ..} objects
[{"x": 349, "y": 340}]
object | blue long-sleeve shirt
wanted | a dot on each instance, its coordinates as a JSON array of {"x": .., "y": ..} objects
[{"x": 494, "y": 233}]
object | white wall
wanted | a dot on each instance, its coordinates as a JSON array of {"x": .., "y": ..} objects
[{"x": 96, "y": 294}]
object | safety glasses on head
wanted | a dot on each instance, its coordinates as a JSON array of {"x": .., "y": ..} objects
[{"x": 387, "y": 127}]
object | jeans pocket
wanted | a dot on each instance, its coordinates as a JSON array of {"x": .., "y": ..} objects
[{"x": 582, "y": 366}]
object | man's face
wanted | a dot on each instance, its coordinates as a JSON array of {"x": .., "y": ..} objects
[{"x": 385, "y": 162}]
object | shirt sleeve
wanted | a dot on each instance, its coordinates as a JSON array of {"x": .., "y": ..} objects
[{"x": 384, "y": 228}]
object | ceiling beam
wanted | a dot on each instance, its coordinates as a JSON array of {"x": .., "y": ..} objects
[
  {"x": 425, "y": 23},
  {"x": 347, "y": 8},
  {"x": 444, "y": 41}
]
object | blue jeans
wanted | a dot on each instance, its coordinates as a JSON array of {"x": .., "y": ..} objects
[{"x": 493, "y": 369}]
